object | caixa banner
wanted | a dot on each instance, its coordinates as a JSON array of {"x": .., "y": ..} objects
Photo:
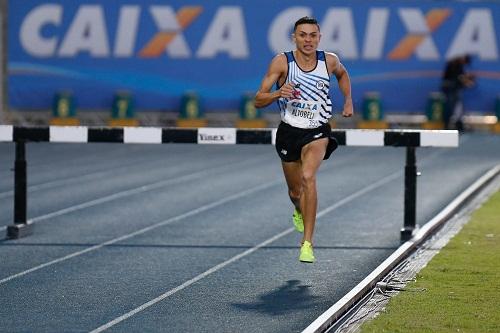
[{"x": 158, "y": 50}]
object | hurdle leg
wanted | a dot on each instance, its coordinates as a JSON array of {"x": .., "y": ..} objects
[
  {"x": 20, "y": 228},
  {"x": 410, "y": 195}
]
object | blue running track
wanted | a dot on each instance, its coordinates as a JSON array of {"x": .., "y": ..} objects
[{"x": 199, "y": 238}]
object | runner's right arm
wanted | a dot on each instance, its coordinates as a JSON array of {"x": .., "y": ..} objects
[{"x": 277, "y": 69}]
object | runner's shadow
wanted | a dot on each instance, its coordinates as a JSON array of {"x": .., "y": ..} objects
[{"x": 288, "y": 298}]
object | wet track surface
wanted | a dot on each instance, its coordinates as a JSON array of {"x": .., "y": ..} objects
[{"x": 181, "y": 237}]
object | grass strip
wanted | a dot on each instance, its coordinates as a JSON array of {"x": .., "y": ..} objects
[{"x": 462, "y": 284}]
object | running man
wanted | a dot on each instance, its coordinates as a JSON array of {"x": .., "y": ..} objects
[{"x": 303, "y": 139}]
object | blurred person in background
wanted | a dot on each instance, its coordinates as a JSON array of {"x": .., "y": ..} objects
[
  {"x": 304, "y": 139},
  {"x": 454, "y": 80}
]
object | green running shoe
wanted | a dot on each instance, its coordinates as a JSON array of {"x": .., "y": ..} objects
[
  {"x": 306, "y": 252},
  {"x": 298, "y": 222}
]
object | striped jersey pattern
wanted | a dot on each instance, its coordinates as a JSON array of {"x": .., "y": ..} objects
[{"x": 312, "y": 106}]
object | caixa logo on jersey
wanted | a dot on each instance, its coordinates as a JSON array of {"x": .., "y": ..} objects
[{"x": 209, "y": 135}]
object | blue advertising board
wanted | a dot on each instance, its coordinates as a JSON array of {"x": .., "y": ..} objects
[{"x": 158, "y": 50}]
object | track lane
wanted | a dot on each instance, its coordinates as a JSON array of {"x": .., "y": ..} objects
[{"x": 346, "y": 242}]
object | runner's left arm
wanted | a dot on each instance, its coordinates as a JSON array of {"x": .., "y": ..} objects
[{"x": 344, "y": 81}]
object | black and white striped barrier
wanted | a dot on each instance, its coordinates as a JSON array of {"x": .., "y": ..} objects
[
  {"x": 208, "y": 135},
  {"x": 410, "y": 139}
]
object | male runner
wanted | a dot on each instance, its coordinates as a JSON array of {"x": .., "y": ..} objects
[{"x": 304, "y": 138}]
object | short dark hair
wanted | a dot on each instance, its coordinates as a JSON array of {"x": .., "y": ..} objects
[{"x": 305, "y": 20}]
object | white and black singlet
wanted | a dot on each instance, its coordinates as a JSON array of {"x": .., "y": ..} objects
[{"x": 313, "y": 107}]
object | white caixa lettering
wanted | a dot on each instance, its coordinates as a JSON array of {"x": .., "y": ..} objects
[
  {"x": 87, "y": 32},
  {"x": 476, "y": 33},
  {"x": 50, "y": 30}
]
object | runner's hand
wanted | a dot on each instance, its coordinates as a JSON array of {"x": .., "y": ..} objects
[
  {"x": 288, "y": 90},
  {"x": 348, "y": 109}
]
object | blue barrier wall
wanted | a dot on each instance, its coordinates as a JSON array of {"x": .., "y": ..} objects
[{"x": 159, "y": 49}]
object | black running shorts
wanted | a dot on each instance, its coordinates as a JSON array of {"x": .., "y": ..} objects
[{"x": 290, "y": 140}]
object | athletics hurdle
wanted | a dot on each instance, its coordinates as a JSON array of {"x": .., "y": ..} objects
[{"x": 411, "y": 139}]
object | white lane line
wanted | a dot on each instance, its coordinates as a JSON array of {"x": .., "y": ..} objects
[
  {"x": 91, "y": 176},
  {"x": 199, "y": 210},
  {"x": 359, "y": 193},
  {"x": 241, "y": 255},
  {"x": 77, "y": 178},
  {"x": 146, "y": 229},
  {"x": 137, "y": 190},
  {"x": 191, "y": 213},
  {"x": 115, "y": 196},
  {"x": 189, "y": 282},
  {"x": 141, "y": 231},
  {"x": 218, "y": 267},
  {"x": 130, "y": 192}
]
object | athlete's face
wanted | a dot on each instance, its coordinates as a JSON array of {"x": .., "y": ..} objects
[{"x": 306, "y": 38}]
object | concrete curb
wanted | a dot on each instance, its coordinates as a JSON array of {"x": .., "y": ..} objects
[{"x": 328, "y": 318}]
